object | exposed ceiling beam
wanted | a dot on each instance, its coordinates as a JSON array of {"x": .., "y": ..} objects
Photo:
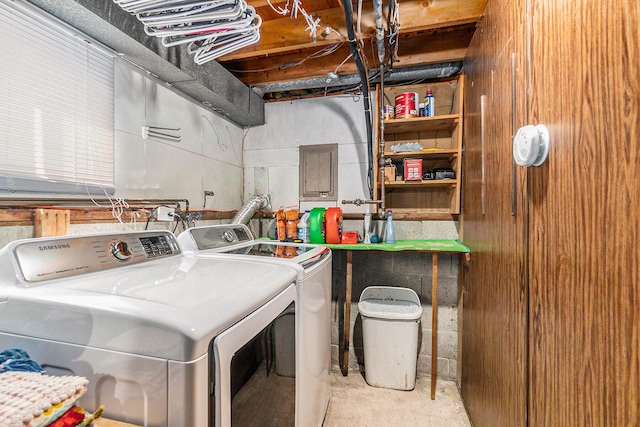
[
  {"x": 427, "y": 47},
  {"x": 288, "y": 34},
  {"x": 431, "y": 31}
]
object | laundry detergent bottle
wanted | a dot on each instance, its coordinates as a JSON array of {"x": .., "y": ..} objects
[
  {"x": 316, "y": 225},
  {"x": 367, "y": 226},
  {"x": 333, "y": 226},
  {"x": 303, "y": 227}
]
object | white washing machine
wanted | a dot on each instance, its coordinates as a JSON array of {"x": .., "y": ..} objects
[
  {"x": 161, "y": 337},
  {"x": 312, "y": 338}
]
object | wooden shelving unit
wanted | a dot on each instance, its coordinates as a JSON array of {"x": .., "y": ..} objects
[{"x": 441, "y": 140}]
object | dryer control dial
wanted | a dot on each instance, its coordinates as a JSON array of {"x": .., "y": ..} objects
[
  {"x": 120, "y": 250},
  {"x": 229, "y": 237}
]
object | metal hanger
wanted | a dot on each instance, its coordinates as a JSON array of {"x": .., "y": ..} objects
[{"x": 211, "y": 28}]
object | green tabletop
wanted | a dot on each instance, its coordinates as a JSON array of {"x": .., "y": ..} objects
[{"x": 406, "y": 245}]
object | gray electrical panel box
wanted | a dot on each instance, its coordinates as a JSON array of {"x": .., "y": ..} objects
[{"x": 319, "y": 172}]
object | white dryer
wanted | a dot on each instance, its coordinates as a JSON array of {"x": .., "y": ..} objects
[
  {"x": 160, "y": 336},
  {"x": 312, "y": 337}
]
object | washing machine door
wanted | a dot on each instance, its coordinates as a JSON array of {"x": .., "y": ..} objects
[{"x": 264, "y": 398}]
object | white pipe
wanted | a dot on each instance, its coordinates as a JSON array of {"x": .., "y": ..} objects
[{"x": 377, "y": 11}]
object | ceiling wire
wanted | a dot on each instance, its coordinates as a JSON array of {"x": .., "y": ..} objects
[
  {"x": 392, "y": 43},
  {"x": 325, "y": 51},
  {"x": 393, "y": 25},
  {"x": 350, "y": 90},
  {"x": 342, "y": 63},
  {"x": 359, "y": 24},
  {"x": 312, "y": 24}
]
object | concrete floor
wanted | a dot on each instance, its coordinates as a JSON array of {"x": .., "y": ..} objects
[{"x": 354, "y": 403}]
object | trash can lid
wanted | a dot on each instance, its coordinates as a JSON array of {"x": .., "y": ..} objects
[{"x": 386, "y": 302}]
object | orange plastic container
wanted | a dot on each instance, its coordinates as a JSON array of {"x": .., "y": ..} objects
[
  {"x": 349, "y": 237},
  {"x": 333, "y": 225}
]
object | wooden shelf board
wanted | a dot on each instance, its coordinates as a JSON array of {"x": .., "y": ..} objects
[
  {"x": 428, "y": 183},
  {"x": 419, "y": 124},
  {"x": 422, "y": 214},
  {"x": 424, "y": 154}
]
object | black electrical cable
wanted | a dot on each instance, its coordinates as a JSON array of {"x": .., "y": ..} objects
[
  {"x": 355, "y": 52},
  {"x": 146, "y": 226},
  {"x": 392, "y": 33}
]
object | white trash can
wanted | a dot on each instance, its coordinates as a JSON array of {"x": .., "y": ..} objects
[{"x": 390, "y": 328}]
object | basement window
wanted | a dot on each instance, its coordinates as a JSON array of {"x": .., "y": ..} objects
[
  {"x": 319, "y": 172},
  {"x": 56, "y": 106}
]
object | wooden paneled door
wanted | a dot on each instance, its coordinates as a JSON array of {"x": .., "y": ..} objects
[
  {"x": 584, "y": 203},
  {"x": 551, "y": 297},
  {"x": 493, "y": 367}
]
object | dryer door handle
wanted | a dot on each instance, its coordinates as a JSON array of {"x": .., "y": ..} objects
[{"x": 316, "y": 259}]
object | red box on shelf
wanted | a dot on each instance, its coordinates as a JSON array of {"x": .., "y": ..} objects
[
  {"x": 349, "y": 237},
  {"x": 413, "y": 169}
]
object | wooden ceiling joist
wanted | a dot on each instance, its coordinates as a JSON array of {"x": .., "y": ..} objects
[
  {"x": 430, "y": 47},
  {"x": 287, "y": 34}
]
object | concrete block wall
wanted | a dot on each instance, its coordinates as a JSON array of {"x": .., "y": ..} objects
[{"x": 403, "y": 269}]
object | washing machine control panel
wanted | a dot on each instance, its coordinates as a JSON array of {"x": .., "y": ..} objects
[{"x": 54, "y": 258}]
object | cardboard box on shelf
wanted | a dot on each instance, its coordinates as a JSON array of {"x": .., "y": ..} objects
[{"x": 389, "y": 173}]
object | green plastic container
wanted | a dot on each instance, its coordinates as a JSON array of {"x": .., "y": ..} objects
[{"x": 316, "y": 225}]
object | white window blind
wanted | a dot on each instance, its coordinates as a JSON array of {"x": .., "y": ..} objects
[{"x": 56, "y": 106}]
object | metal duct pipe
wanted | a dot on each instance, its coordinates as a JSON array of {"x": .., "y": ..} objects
[
  {"x": 423, "y": 72},
  {"x": 253, "y": 205}
]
